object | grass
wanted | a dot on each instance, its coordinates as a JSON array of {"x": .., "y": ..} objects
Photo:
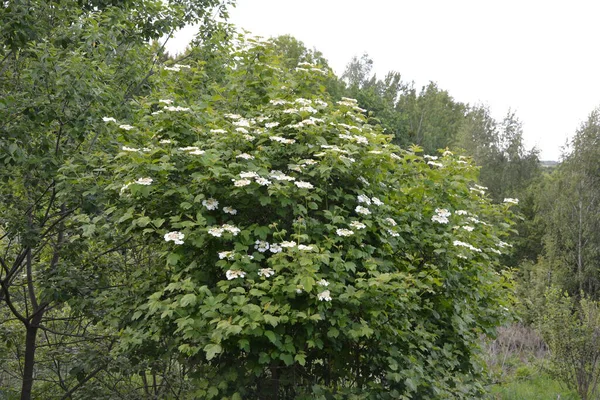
[{"x": 540, "y": 387}]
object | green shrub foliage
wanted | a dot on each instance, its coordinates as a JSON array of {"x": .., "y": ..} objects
[{"x": 298, "y": 253}]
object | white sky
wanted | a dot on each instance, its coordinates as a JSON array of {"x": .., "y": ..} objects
[{"x": 539, "y": 58}]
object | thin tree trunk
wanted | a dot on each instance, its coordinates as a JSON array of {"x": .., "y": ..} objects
[{"x": 30, "y": 347}]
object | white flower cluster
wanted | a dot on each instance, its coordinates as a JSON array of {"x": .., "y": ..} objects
[
  {"x": 245, "y": 156},
  {"x": 461, "y": 212},
  {"x": 266, "y": 272},
  {"x": 362, "y": 210},
  {"x": 344, "y": 232},
  {"x": 280, "y": 176},
  {"x": 126, "y": 127},
  {"x": 261, "y": 246},
  {"x": 193, "y": 150},
  {"x": 468, "y": 228},
  {"x": 132, "y": 149},
  {"x": 427, "y": 156},
  {"x": 279, "y": 102},
  {"x": 467, "y": 245},
  {"x": 357, "y": 225},
  {"x": 165, "y": 141},
  {"x": 109, "y": 119},
  {"x": 229, "y": 210},
  {"x": 226, "y": 254},
  {"x": 144, "y": 181},
  {"x": 175, "y": 237},
  {"x": 435, "y": 164},
  {"x": 304, "y": 185},
  {"x": 354, "y": 138},
  {"x": 176, "y": 108},
  {"x": 324, "y": 295},
  {"x": 391, "y": 221},
  {"x": 270, "y": 125},
  {"x": 441, "y": 216},
  {"x": 282, "y": 140},
  {"x": 511, "y": 200},
  {"x": 210, "y": 204},
  {"x": 218, "y": 131},
  {"x": 218, "y": 231},
  {"x": 234, "y": 273}
]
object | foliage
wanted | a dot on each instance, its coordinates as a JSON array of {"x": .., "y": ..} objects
[
  {"x": 296, "y": 253},
  {"x": 571, "y": 328}
]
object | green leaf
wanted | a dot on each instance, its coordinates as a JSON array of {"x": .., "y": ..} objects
[
  {"x": 212, "y": 350},
  {"x": 271, "y": 336},
  {"x": 287, "y": 358},
  {"x": 188, "y": 299}
]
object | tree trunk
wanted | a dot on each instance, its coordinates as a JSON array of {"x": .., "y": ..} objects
[{"x": 30, "y": 347}]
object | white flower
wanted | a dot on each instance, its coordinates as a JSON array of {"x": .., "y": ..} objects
[
  {"x": 197, "y": 152},
  {"x": 435, "y": 164},
  {"x": 362, "y": 210},
  {"x": 126, "y": 127},
  {"x": 234, "y": 273},
  {"x": 261, "y": 246},
  {"x": 249, "y": 138},
  {"x": 468, "y": 228},
  {"x": 210, "y": 204},
  {"x": 266, "y": 272},
  {"x": 108, "y": 119},
  {"x": 287, "y": 244},
  {"x": 308, "y": 109},
  {"x": 390, "y": 221},
  {"x": 513, "y": 201},
  {"x": 177, "y": 108},
  {"x": 323, "y": 282},
  {"x": 377, "y": 202},
  {"x": 165, "y": 141},
  {"x": 278, "y": 102},
  {"x": 242, "y": 122},
  {"x": 305, "y": 248},
  {"x": 481, "y": 187},
  {"x": 144, "y": 181},
  {"x": 241, "y": 182},
  {"x": 271, "y": 125},
  {"x": 275, "y": 248},
  {"x": 241, "y": 130},
  {"x": 245, "y": 156},
  {"x": 233, "y": 116},
  {"x": 181, "y": 66},
  {"x": 344, "y": 232},
  {"x": 280, "y": 176},
  {"x": 263, "y": 181},
  {"x": 231, "y": 229},
  {"x": 175, "y": 237},
  {"x": 357, "y": 225},
  {"x": 347, "y": 158},
  {"x": 364, "y": 181},
  {"x": 166, "y": 101},
  {"x": 467, "y": 245},
  {"x": 447, "y": 153},
  {"x": 229, "y": 210},
  {"x": 282, "y": 140},
  {"x": 363, "y": 199},
  {"x": 125, "y": 148},
  {"x": 249, "y": 174},
  {"x": 215, "y": 231},
  {"x": 176, "y": 69},
  {"x": 430, "y": 157},
  {"x": 439, "y": 219},
  {"x": 157, "y": 112},
  {"x": 392, "y": 233},
  {"x": 290, "y": 111},
  {"x": 495, "y": 251},
  {"x": 226, "y": 254},
  {"x": 124, "y": 188},
  {"x": 442, "y": 212},
  {"x": 218, "y": 131},
  {"x": 304, "y": 185},
  {"x": 325, "y": 295},
  {"x": 503, "y": 244},
  {"x": 189, "y": 148},
  {"x": 461, "y": 212}
]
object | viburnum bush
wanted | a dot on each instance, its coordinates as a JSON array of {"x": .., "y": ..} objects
[{"x": 298, "y": 253}]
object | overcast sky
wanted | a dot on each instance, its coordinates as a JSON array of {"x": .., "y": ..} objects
[{"x": 539, "y": 58}]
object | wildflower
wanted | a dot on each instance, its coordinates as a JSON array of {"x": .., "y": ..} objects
[
  {"x": 468, "y": 228},
  {"x": 393, "y": 233},
  {"x": 215, "y": 231},
  {"x": 280, "y": 176},
  {"x": 234, "y": 273},
  {"x": 391, "y": 221},
  {"x": 290, "y": 111},
  {"x": 241, "y": 130},
  {"x": 308, "y": 109},
  {"x": 271, "y": 125},
  {"x": 282, "y": 140},
  {"x": 241, "y": 182},
  {"x": 287, "y": 244},
  {"x": 363, "y": 199},
  {"x": 125, "y": 148},
  {"x": 263, "y": 181},
  {"x": 175, "y": 237},
  {"x": 304, "y": 185},
  {"x": 513, "y": 201},
  {"x": 249, "y": 174},
  {"x": 245, "y": 156},
  {"x": 305, "y": 248},
  {"x": 503, "y": 244},
  {"x": 461, "y": 212},
  {"x": 344, "y": 232},
  {"x": 357, "y": 225},
  {"x": 278, "y": 102},
  {"x": 347, "y": 158},
  {"x": 447, "y": 153},
  {"x": 157, "y": 112},
  {"x": 108, "y": 119},
  {"x": 364, "y": 181},
  {"x": 495, "y": 251},
  {"x": 323, "y": 282},
  {"x": 181, "y": 66},
  {"x": 210, "y": 204},
  {"x": 229, "y": 210},
  {"x": 166, "y": 101},
  {"x": 165, "y": 141},
  {"x": 261, "y": 246},
  {"x": 467, "y": 245},
  {"x": 226, "y": 254},
  {"x": 435, "y": 164},
  {"x": 249, "y": 138},
  {"x": 197, "y": 152},
  {"x": 275, "y": 248},
  {"x": 126, "y": 127},
  {"x": 176, "y": 69},
  {"x": 441, "y": 220},
  {"x": 266, "y": 272},
  {"x": 124, "y": 188},
  {"x": 233, "y": 116},
  {"x": 144, "y": 181},
  {"x": 430, "y": 157},
  {"x": 362, "y": 210},
  {"x": 218, "y": 131},
  {"x": 376, "y": 201},
  {"x": 231, "y": 229},
  {"x": 177, "y": 108},
  {"x": 242, "y": 122},
  {"x": 189, "y": 148},
  {"x": 442, "y": 212},
  {"x": 325, "y": 295}
]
